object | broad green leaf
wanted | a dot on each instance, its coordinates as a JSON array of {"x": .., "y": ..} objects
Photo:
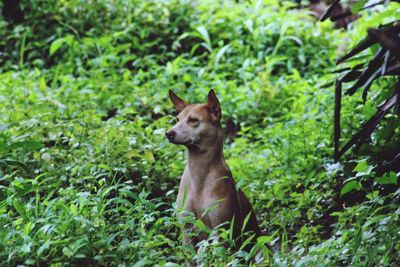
[
  {"x": 350, "y": 186},
  {"x": 372, "y": 195},
  {"x": 29, "y": 145},
  {"x": 357, "y": 5},
  {"x": 368, "y": 110},
  {"x": 27, "y": 228},
  {"x": 144, "y": 262},
  {"x": 55, "y": 45},
  {"x": 104, "y": 166},
  {"x": 363, "y": 168},
  {"x": 388, "y": 178}
]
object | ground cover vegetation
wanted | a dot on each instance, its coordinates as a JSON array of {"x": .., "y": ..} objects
[{"x": 87, "y": 176}]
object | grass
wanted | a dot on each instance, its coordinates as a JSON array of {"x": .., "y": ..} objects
[{"x": 88, "y": 178}]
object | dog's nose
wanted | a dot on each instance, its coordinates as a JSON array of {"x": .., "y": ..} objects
[{"x": 170, "y": 134}]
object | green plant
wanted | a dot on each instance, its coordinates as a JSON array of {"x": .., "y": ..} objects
[{"x": 87, "y": 176}]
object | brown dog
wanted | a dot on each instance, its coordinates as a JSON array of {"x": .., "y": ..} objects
[{"x": 207, "y": 188}]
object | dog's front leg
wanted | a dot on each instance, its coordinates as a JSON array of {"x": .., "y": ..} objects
[
  {"x": 189, "y": 235},
  {"x": 192, "y": 236},
  {"x": 190, "y": 239}
]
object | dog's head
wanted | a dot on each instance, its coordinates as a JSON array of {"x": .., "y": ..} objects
[{"x": 198, "y": 125}]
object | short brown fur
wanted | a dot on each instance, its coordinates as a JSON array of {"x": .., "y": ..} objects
[{"x": 207, "y": 180}]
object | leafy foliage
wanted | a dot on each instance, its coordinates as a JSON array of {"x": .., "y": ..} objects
[
  {"x": 385, "y": 62},
  {"x": 88, "y": 178}
]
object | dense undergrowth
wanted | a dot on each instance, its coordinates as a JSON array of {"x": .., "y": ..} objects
[{"x": 87, "y": 176}]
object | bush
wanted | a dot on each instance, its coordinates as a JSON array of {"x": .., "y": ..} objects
[{"x": 87, "y": 176}]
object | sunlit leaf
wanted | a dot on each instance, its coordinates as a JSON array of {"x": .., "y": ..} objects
[
  {"x": 55, "y": 45},
  {"x": 350, "y": 186},
  {"x": 388, "y": 178}
]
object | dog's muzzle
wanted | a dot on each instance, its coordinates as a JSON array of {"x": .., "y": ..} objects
[{"x": 170, "y": 135}]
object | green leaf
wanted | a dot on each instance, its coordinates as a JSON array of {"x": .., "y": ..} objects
[
  {"x": 144, "y": 262},
  {"x": 18, "y": 207},
  {"x": 204, "y": 33},
  {"x": 201, "y": 226},
  {"x": 220, "y": 53},
  {"x": 368, "y": 110},
  {"x": 43, "y": 247},
  {"x": 246, "y": 220},
  {"x": 363, "y": 168},
  {"x": 67, "y": 252},
  {"x": 350, "y": 186},
  {"x": 27, "y": 228},
  {"x": 247, "y": 241},
  {"x": 373, "y": 195},
  {"x": 29, "y": 145},
  {"x": 55, "y": 45},
  {"x": 249, "y": 25},
  {"x": 3, "y": 146},
  {"x": 357, "y": 5},
  {"x": 206, "y": 38},
  {"x": 73, "y": 209},
  {"x": 265, "y": 239},
  {"x": 104, "y": 166},
  {"x": 388, "y": 178}
]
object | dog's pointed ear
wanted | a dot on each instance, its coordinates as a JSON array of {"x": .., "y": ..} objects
[
  {"x": 179, "y": 104},
  {"x": 214, "y": 106}
]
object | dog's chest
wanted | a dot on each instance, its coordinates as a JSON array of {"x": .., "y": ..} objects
[{"x": 208, "y": 204}]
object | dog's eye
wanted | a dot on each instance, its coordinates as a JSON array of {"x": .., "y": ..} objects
[{"x": 193, "y": 120}]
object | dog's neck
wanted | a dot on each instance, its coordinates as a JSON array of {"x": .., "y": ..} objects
[{"x": 202, "y": 162}]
